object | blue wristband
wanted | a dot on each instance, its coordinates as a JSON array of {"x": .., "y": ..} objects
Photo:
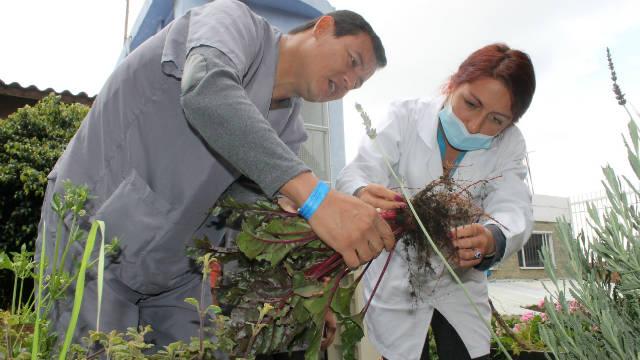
[{"x": 314, "y": 200}]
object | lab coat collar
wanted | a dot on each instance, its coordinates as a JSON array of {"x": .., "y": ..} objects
[{"x": 428, "y": 122}]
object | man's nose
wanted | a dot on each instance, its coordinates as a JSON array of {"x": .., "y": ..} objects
[{"x": 349, "y": 81}]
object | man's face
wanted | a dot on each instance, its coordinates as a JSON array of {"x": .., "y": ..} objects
[{"x": 336, "y": 65}]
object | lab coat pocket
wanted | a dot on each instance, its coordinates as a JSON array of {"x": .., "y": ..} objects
[{"x": 137, "y": 216}]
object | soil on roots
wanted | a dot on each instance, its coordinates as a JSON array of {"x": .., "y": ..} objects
[{"x": 442, "y": 205}]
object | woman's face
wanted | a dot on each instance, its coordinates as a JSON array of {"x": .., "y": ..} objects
[{"x": 483, "y": 105}]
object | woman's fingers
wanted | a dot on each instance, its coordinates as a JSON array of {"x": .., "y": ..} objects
[{"x": 380, "y": 197}]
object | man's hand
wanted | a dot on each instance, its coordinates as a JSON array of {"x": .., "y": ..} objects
[
  {"x": 352, "y": 228},
  {"x": 472, "y": 242},
  {"x": 380, "y": 197},
  {"x": 349, "y": 226}
]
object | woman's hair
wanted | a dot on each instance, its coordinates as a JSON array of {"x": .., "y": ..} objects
[{"x": 498, "y": 61}]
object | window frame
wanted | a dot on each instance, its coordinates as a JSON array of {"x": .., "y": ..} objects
[
  {"x": 324, "y": 129},
  {"x": 548, "y": 235}
]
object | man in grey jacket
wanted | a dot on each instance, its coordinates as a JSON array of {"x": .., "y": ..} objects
[{"x": 213, "y": 96}]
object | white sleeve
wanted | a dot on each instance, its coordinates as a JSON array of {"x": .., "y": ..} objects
[
  {"x": 369, "y": 166},
  {"x": 508, "y": 199}
]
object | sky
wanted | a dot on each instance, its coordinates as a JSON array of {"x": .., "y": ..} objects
[{"x": 573, "y": 127}]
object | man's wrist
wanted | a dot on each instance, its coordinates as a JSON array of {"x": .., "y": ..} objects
[{"x": 300, "y": 187}]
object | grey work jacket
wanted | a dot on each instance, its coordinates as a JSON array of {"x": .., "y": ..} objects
[{"x": 152, "y": 176}]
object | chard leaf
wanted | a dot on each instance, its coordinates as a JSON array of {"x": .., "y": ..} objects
[
  {"x": 351, "y": 334},
  {"x": 249, "y": 245},
  {"x": 341, "y": 302}
]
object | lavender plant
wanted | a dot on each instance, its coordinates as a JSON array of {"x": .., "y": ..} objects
[{"x": 605, "y": 270}]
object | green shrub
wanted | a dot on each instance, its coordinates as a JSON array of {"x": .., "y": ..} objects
[{"x": 31, "y": 140}]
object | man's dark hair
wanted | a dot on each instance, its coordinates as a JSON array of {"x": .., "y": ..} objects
[{"x": 350, "y": 23}]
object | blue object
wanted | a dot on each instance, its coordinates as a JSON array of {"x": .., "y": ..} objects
[
  {"x": 443, "y": 149},
  {"x": 314, "y": 200},
  {"x": 457, "y": 133}
]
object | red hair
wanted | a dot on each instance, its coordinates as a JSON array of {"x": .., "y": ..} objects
[{"x": 498, "y": 61}]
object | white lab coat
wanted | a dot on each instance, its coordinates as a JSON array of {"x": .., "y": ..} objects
[{"x": 396, "y": 324}]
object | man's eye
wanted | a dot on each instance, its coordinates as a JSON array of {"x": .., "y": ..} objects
[
  {"x": 498, "y": 120},
  {"x": 353, "y": 61},
  {"x": 469, "y": 103}
]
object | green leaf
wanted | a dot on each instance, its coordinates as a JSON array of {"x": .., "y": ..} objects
[
  {"x": 214, "y": 309},
  {"x": 633, "y": 133},
  {"x": 341, "y": 302},
  {"x": 5, "y": 262},
  {"x": 100, "y": 272},
  {"x": 351, "y": 335},
  {"x": 77, "y": 301},
  {"x": 249, "y": 245},
  {"x": 193, "y": 302},
  {"x": 313, "y": 351},
  {"x": 274, "y": 253},
  {"x": 306, "y": 288}
]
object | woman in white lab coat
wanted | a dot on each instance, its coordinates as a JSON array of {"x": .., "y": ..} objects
[{"x": 472, "y": 131}]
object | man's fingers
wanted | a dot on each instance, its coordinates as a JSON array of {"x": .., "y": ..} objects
[
  {"x": 376, "y": 245},
  {"x": 365, "y": 253},
  {"x": 385, "y": 233},
  {"x": 351, "y": 259}
]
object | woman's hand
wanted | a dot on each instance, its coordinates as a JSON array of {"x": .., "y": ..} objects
[
  {"x": 380, "y": 197},
  {"x": 472, "y": 242}
]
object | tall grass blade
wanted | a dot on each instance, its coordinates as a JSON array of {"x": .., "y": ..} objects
[
  {"x": 36, "y": 332},
  {"x": 77, "y": 301},
  {"x": 100, "y": 272}
]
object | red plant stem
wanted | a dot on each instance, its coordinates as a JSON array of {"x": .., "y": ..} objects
[
  {"x": 334, "y": 289},
  {"x": 307, "y": 232},
  {"x": 319, "y": 274},
  {"x": 363, "y": 271},
  {"x": 309, "y": 238},
  {"x": 324, "y": 263},
  {"x": 388, "y": 214},
  {"x": 375, "y": 288},
  {"x": 279, "y": 213},
  {"x": 398, "y": 231}
]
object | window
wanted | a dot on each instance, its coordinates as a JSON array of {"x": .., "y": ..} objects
[
  {"x": 529, "y": 256},
  {"x": 315, "y": 152}
]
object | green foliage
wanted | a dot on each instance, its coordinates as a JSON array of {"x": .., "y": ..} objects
[
  {"x": 282, "y": 283},
  {"x": 606, "y": 273},
  {"x": 31, "y": 140},
  {"x": 26, "y": 328}
]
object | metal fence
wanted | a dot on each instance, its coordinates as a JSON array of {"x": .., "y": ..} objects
[{"x": 580, "y": 219}]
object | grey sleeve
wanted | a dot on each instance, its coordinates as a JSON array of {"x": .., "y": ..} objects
[
  {"x": 501, "y": 244},
  {"x": 217, "y": 108}
]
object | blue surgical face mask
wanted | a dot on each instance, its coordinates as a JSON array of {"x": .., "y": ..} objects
[{"x": 458, "y": 135}]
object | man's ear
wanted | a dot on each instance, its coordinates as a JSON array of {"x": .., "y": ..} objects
[{"x": 324, "y": 26}]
